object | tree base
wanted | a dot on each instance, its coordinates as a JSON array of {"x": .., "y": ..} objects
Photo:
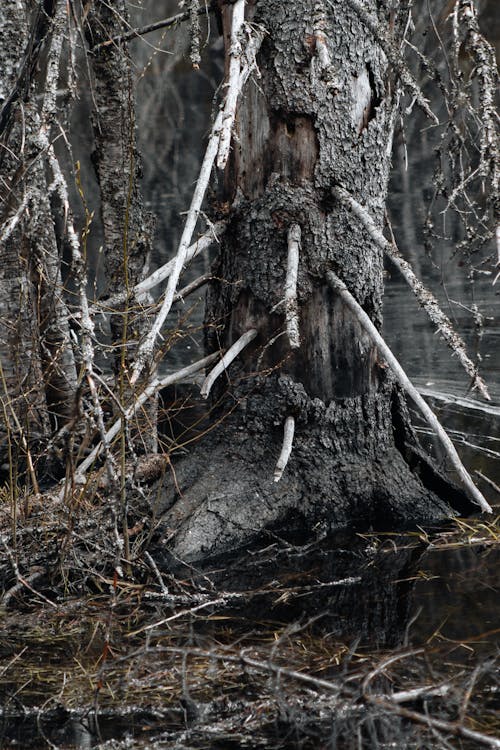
[{"x": 224, "y": 496}]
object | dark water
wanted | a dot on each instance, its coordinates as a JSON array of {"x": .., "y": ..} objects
[{"x": 94, "y": 670}]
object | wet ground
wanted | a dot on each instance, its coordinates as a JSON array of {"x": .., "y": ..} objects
[{"x": 323, "y": 651}]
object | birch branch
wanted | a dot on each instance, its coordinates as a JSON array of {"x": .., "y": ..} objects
[
  {"x": 237, "y": 21},
  {"x": 426, "y": 299},
  {"x": 340, "y": 288},
  {"x": 146, "y": 348},
  {"x": 291, "y": 307},
  {"x": 226, "y": 360},
  {"x": 203, "y": 243},
  {"x": 153, "y": 386},
  {"x": 286, "y": 450}
]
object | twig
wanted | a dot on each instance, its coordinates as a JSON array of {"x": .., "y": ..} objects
[
  {"x": 146, "y": 349},
  {"x": 8, "y": 227},
  {"x": 166, "y": 23},
  {"x": 423, "y": 295},
  {"x": 340, "y": 288},
  {"x": 237, "y": 20},
  {"x": 291, "y": 307},
  {"x": 153, "y": 386},
  {"x": 286, "y": 449},
  {"x": 226, "y": 360},
  {"x": 488, "y": 481}
]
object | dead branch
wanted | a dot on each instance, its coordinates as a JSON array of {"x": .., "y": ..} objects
[
  {"x": 291, "y": 308},
  {"x": 226, "y": 360},
  {"x": 238, "y": 17},
  {"x": 340, "y": 288},
  {"x": 165, "y": 23},
  {"x": 423, "y": 295},
  {"x": 145, "y": 350}
]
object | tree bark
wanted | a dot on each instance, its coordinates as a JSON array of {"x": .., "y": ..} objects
[
  {"x": 320, "y": 116},
  {"x": 37, "y": 359},
  {"x": 127, "y": 227}
]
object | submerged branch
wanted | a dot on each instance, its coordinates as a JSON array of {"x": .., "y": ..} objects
[
  {"x": 340, "y": 288},
  {"x": 423, "y": 295}
]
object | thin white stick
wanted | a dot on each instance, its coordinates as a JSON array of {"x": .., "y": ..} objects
[
  {"x": 286, "y": 450},
  {"x": 226, "y": 360},
  {"x": 145, "y": 350},
  {"x": 202, "y": 243},
  {"x": 338, "y": 286},
  {"x": 153, "y": 386},
  {"x": 423, "y": 295},
  {"x": 8, "y": 227},
  {"x": 291, "y": 307},
  {"x": 232, "y": 83}
]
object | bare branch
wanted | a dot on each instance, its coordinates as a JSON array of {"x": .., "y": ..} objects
[
  {"x": 423, "y": 295},
  {"x": 153, "y": 386},
  {"x": 146, "y": 348},
  {"x": 291, "y": 308},
  {"x": 238, "y": 18},
  {"x": 226, "y": 360},
  {"x": 475, "y": 495},
  {"x": 203, "y": 243}
]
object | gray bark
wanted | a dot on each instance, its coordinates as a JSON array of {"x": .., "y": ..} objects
[
  {"x": 36, "y": 354},
  {"x": 127, "y": 227},
  {"x": 301, "y": 130}
]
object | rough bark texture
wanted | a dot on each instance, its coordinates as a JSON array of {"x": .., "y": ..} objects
[
  {"x": 36, "y": 353},
  {"x": 301, "y": 130},
  {"x": 127, "y": 226}
]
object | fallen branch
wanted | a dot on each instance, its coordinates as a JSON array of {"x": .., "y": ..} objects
[
  {"x": 226, "y": 360},
  {"x": 291, "y": 308},
  {"x": 423, "y": 295},
  {"x": 390, "y": 704},
  {"x": 340, "y": 288},
  {"x": 233, "y": 88},
  {"x": 286, "y": 450},
  {"x": 145, "y": 350}
]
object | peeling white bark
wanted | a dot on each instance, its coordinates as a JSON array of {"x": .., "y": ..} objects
[{"x": 340, "y": 288}]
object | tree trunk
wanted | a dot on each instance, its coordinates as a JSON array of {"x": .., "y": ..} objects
[
  {"x": 127, "y": 227},
  {"x": 39, "y": 374},
  {"x": 319, "y": 117}
]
